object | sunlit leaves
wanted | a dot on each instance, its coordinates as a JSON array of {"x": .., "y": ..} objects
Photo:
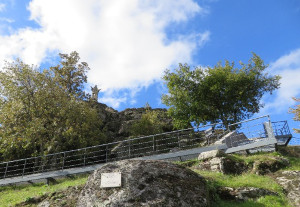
[
  {"x": 222, "y": 93},
  {"x": 45, "y": 111}
]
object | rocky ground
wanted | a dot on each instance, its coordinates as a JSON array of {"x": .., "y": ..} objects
[{"x": 158, "y": 183}]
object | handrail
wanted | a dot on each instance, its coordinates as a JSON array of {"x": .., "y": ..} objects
[{"x": 130, "y": 148}]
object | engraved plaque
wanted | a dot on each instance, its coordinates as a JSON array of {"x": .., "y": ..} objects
[{"x": 110, "y": 180}]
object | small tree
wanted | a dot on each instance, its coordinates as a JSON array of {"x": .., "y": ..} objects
[
  {"x": 222, "y": 93},
  {"x": 296, "y": 111}
]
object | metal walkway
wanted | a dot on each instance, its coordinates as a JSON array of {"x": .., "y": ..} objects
[
  {"x": 173, "y": 156},
  {"x": 177, "y": 145}
]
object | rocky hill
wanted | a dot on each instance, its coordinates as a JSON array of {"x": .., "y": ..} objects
[{"x": 117, "y": 125}]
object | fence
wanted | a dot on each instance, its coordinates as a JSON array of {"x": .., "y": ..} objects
[
  {"x": 241, "y": 134},
  {"x": 131, "y": 148}
]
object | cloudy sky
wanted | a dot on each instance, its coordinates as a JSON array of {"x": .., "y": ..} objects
[{"x": 128, "y": 44}]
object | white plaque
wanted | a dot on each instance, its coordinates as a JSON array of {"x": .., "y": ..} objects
[{"x": 110, "y": 180}]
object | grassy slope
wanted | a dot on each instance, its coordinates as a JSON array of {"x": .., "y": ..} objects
[
  {"x": 216, "y": 179},
  {"x": 9, "y": 196}
]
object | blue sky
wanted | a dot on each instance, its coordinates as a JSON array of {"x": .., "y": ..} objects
[{"x": 128, "y": 44}]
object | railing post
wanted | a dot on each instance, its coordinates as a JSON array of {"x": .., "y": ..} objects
[
  {"x": 6, "y": 169},
  {"x": 106, "y": 153},
  {"x": 129, "y": 148},
  {"x": 24, "y": 167},
  {"x": 178, "y": 140},
  {"x": 84, "y": 157},
  {"x": 154, "y": 144},
  {"x": 63, "y": 164},
  {"x": 42, "y": 161}
]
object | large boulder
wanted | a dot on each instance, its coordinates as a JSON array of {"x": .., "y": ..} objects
[{"x": 146, "y": 183}]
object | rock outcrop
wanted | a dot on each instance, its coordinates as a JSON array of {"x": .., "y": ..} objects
[
  {"x": 290, "y": 181},
  {"x": 218, "y": 161},
  {"x": 243, "y": 193},
  {"x": 146, "y": 183},
  {"x": 225, "y": 165},
  {"x": 117, "y": 125},
  {"x": 270, "y": 165},
  {"x": 211, "y": 154}
]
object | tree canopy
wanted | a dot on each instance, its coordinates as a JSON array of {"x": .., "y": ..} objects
[
  {"x": 45, "y": 111},
  {"x": 296, "y": 111},
  {"x": 220, "y": 93}
]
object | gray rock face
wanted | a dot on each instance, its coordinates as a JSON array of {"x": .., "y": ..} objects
[
  {"x": 224, "y": 165},
  {"x": 117, "y": 125},
  {"x": 290, "y": 181},
  {"x": 146, "y": 183},
  {"x": 211, "y": 154},
  {"x": 243, "y": 193}
]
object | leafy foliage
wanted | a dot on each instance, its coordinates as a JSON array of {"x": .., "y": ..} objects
[
  {"x": 41, "y": 114},
  {"x": 222, "y": 93},
  {"x": 296, "y": 111},
  {"x": 149, "y": 124}
]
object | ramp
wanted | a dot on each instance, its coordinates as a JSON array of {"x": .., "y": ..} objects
[
  {"x": 182, "y": 155},
  {"x": 176, "y": 145}
]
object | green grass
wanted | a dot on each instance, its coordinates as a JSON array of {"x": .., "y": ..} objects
[
  {"x": 217, "y": 180},
  {"x": 261, "y": 156},
  {"x": 245, "y": 180},
  {"x": 266, "y": 201},
  {"x": 11, "y": 195},
  {"x": 294, "y": 163},
  {"x": 249, "y": 179}
]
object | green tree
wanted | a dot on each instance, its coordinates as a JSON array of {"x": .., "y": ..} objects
[
  {"x": 39, "y": 116},
  {"x": 222, "y": 93},
  {"x": 296, "y": 111},
  {"x": 148, "y": 124},
  {"x": 70, "y": 74}
]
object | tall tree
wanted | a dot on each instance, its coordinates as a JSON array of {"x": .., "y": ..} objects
[
  {"x": 70, "y": 74},
  {"x": 222, "y": 93},
  {"x": 40, "y": 115}
]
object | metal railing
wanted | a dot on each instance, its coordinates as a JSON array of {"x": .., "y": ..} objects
[
  {"x": 249, "y": 131},
  {"x": 244, "y": 132},
  {"x": 281, "y": 128},
  {"x": 131, "y": 148}
]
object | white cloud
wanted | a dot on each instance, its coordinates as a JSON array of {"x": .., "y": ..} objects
[
  {"x": 288, "y": 67},
  {"x": 112, "y": 100},
  {"x": 204, "y": 37},
  {"x": 7, "y": 20},
  {"x": 2, "y": 7},
  {"x": 124, "y": 42}
]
